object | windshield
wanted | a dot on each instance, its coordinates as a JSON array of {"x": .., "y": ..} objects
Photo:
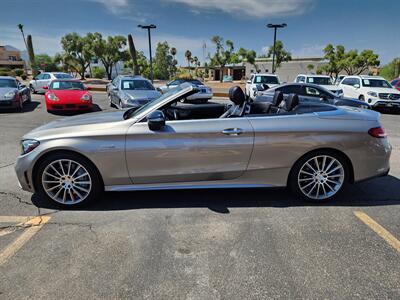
[
  {"x": 378, "y": 83},
  {"x": 62, "y": 76},
  {"x": 8, "y": 83},
  {"x": 131, "y": 113},
  {"x": 319, "y": 80},
  {"x": 66, "y": 85},
  {"x": 136, "y": 85},
  {"x": 266, "y": 79}
]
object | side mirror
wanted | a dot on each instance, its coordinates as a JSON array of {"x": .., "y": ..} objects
[
  {"x": 88, "y": 88},
  {"x": 159, "y": 89},
  {"x": 156, "y": 120},
  {"x": 22, "y": 86},
  {"x": 248, "y": 81},
  {"x": 357, "y": 86},
  {"x": 45, "y": 87}
]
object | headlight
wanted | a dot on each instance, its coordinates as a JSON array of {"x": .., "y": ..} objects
[
  {"x": 10, "y": 95},
  {"x": 373, "y": 94},
  {"x": 86, "y": 97},
  {"x": 52, "y": 97},
  {"x": 28, "y": 145}
]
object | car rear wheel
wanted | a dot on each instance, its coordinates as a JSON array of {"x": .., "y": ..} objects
[
  {"x": 319, "y": 176},
  {"x": 68, "y": 180}
]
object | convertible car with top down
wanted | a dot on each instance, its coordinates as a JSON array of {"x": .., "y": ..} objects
[{"x": 315, "y": 149}]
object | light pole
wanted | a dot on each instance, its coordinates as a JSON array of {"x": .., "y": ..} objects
[
  {"x": 149, "y": 27},
  {"x": 275, "y": 26}
]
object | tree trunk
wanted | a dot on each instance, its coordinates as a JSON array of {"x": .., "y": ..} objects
[
  {"x": 221, "y": 75},
  {"x": 132, "y": 52}
]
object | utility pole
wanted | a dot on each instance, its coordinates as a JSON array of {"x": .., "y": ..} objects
[
  {"x": 275, "y": 26},
  {"x": 149, "y": 27}
]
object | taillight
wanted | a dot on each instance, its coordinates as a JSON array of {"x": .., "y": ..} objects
[{"x": 377, "y": 132}]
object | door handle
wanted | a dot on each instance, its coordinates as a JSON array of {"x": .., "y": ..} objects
[{"x": 233, "y": 131}]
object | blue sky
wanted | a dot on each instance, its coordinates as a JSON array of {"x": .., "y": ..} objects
[{"x": 187, "y": 24}]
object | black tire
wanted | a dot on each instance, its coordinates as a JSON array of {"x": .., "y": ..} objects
[
  {"x": 97, "y": 186},
  {"x": 295, "y": 175},
  {"x": 361, "y": 98}
]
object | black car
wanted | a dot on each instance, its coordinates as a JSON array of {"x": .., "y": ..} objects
[{"x": 309, "y": 93}]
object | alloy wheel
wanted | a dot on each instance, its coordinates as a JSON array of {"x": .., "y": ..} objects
[
  {"x": 321, "y": 177},
  {"x": 66, "y": 181}
]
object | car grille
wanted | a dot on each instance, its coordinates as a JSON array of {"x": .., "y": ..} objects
[
  {"x": 388, "y": 96},
  {"x": 5, "y": 103}
]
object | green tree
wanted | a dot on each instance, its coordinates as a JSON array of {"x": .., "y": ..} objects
[
  {"x": 133, "y": 55},
  {"x": 143, "y": 64},
  {"x": 391, "y": 70},
  {"x": 223, "y": 53},
  {"x": 188, "y": 56},
  {"x": 163, "y": 61},
  {"x": 355, "y": 63},
  {"x": 99, "y": 72},
  {"x": 77, "y": 51},
  {"x": 281, "y": 55},
  {"x": 109, "y": 51},
  {"x": 46, "y": 63}
]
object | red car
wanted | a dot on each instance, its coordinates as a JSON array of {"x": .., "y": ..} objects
[
  {"x": 396, "y": 83},
  {"x": 67, "y": 95}
]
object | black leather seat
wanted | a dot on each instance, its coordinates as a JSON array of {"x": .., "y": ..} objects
[
  {"x": 238, "y": 98},
  {"x": 289, "y": 104}
]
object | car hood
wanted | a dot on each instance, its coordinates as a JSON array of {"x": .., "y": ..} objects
[
  {"x": 69, "y": 94},
  {"x": 331, "y": 87},
  {"x": 384, "y": 90},
  {"x": 143, "y": 94},
  {"x": 98, "y": 121},
  {"x": 5, "y": 90}
]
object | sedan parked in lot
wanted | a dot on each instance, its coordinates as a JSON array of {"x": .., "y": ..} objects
[
  {"x": 43, "y": 79},
  {"x": 67, "y": 95},
  {"x": 13, "y": 94},
  {"x": 314, "y": 149},
  {"x": 131, "y": 92},
  {"x": 309, "y": 93},
  {"x": 204, "y": 93}
]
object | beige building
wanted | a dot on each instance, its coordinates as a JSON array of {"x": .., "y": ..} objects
[{"x": 10, "y": 58}]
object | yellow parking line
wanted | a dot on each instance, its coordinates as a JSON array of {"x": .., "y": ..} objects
[
  {"x": 13, "y": 219},
  {"x": 382, "y": 232},
  {"x": 33, "y": 226}
]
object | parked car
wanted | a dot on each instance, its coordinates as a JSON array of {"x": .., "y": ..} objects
[
  {"x": 374, "y": 90},
  {"x": 259, "y": 79},
  {"x": 308, "y": 92},
  {"x": 131, "y": 91},
  {"x": 205, "y": 93},
  {"x": 67, "y": 95},
  {"x": 13, "y": 94},
  {"x": 315, "y": 149},
  {"x": 396, "y": 83},
  {"x": 43, "y": 79},
  {"x": 322, "y": 80}
]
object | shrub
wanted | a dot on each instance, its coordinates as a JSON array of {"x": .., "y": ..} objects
[
  {"x": 99, "y": 72},
  {"x": 19, "y": 72},
  {"x": 4, "y": 72}
]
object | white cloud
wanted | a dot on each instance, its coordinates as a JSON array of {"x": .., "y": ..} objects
[
  {"x": 251, "y": 8},
  {"x": 115, "y": 6}
]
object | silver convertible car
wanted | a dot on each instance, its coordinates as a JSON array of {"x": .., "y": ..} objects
[{"x": 315, "y": 149}]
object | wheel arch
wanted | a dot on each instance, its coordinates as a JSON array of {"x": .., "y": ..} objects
[
  {"x": 58, "y": 151},
  {"x": 337, "y": 152}
]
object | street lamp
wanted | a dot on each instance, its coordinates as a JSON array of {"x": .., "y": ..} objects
[
  {"x": 149, "y": 27},
  {"x": 275, "y": 26}
]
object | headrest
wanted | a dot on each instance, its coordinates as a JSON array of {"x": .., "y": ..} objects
[
  {"x": 278, "y": 98},
  {"x": 291, "y": 102},
  {"x": 236, "y": 95}
]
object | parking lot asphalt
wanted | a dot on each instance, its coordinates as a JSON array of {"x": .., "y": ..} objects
[{"x": 203, "y": 244}]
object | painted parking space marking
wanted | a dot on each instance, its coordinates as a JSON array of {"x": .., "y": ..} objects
[
  {"x": 381, "y": 231},
  {"x": 31, "y": 226}
]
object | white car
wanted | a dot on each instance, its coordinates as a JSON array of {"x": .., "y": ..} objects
[
  {"x": 43, "y": 79},
  {"x": 205, "y": 93},
  {"x": 323, "y": 80},
  {"x": 256, "y": 80},
  {"x": 375, "y": 90}
]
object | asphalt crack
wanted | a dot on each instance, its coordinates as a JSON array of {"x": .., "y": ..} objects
[{"x": 7, "y": 165}]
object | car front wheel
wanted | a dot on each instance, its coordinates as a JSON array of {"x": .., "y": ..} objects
[
  {"x": 67, "y": 179},
  {"x": 319, "y": 176}
]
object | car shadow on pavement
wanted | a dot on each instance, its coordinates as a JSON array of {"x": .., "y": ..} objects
[
  {"x": 376, "y": 192},
  {"x": 28, "y": 107}
]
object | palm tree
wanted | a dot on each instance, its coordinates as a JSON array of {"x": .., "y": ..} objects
[
  {"x": 173, "y": 51},
  {"x": 188, "y": 56},
  {"x": 21, "y": 28}
]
